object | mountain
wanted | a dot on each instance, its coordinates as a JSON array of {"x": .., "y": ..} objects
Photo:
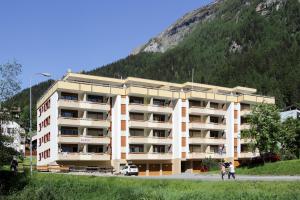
[
  {"x": 179, "y": 30},
  {"x": 252, "y": 43}
]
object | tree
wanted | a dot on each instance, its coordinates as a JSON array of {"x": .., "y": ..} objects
[
  {"x": 9, "y": 85},
  {"x": 290, "y": 138},
  {"x": 265, "y": 128}
]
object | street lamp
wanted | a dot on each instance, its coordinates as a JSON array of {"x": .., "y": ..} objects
[{"x": 30, "y": 111}]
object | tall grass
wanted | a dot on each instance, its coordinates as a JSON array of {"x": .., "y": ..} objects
[{"x": 56, "y": 186}]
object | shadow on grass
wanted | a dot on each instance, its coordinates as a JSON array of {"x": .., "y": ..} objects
[{"x": 11, "y": 183}]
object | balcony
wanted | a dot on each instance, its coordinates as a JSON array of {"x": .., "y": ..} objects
[
  {"x": 71, "y": 139},
  {"x": 206, "y": 111},
  {"x": 206, "y": 126},
  {"x": 150, "y": 124},
  {"x": 63, "y": 103},
  {"x": 247, "y": 98},
  {"x": 245, "y": 112},
  {"x": 201, "y": 155},
  {"x": 149, "y": 156},
  {"x": 245, "y": 126},
  {"x": 248, "y": 154},
  {"x": 66, "y": 156},
  {"x": 65, "y": 121},
  {"x": 149, "y": 140},
  {"x": 150, "y": 108},
  {"x": 212, "y": 141}
]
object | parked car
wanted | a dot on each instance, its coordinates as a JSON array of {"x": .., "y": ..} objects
[{"x": 129, "y": 170}]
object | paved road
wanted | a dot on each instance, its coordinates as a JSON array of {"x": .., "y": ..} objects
[
  {"x": 215, "y": 177},
  {"x": 200, "y": 177}
]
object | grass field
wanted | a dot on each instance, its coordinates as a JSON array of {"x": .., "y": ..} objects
[
  {"x": 58, "y": 186},
  {"x": 289, "y": 167}
]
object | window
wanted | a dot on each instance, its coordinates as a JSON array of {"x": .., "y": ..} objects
[
  {"x": 245, "y": 106},
  {"x": 194, "y": 103},
  {"x": 95, "y": 98},
  {"x": 69, "y": 148},
  {"x": 159, "y": 133},
  {"x": 136, "y": 148},
  {"x": 136, "y": 100},
  {"x": 10, "y": 130},
  {"x": 245, "y": 148},
  {"x": 69, "y": 130},
  {"x": 136, "y": 132},
  {"x": 214, "y": 105},
  {"x": 159, "y": 102},
  {"x": 244, "y": 120},
  {"x": 95, "y": 148},
  {"x": 195, "y": 148},
  {"x": 159, "y": 149},
  {"x": 195, "y": 118},
  {"x": 69, "y": 96},
  {"x": 195, "y": 133},
  {"x": 69, "y": 113},
  {"x": 95, "y": 132},
  {"x": 159, "y": 118},
  {"x": 136, "y": 116},
  {"x": 214, "y": 134},
  {"x": 95, "y": 115},
  {"x": 214, "y": 119},
  {"x": 214, "y": 148}
]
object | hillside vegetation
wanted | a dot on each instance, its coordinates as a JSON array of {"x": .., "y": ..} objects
[{"x": 289, "y": 167}]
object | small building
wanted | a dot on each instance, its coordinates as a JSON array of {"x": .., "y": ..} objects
[
  {"x": 14, "y": 130},
  {"x": 290, "y": 111}
]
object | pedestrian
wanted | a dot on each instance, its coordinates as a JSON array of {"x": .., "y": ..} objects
[
  {"x": 14, "y": 165},
  {"x": 231, "y": 171},
  {"x": 223, "y": 170}
]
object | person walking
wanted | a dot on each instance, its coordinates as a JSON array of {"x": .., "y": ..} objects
[
  {"x": 223, "y": 170},
  {"x": 14, "y": 165},
  {"x": 231, "y": 171}
]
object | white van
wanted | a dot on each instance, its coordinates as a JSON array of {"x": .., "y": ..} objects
[{"x": 130, "y": 170}]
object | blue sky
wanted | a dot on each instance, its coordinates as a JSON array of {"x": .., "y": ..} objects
[{"x": 52, "y": 36}]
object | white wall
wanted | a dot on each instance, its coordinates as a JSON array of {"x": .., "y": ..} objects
[
  {"x": 230, "y": 131},
  {"x": 176, "y": 130},
  {"x": 116, "y": 128}
]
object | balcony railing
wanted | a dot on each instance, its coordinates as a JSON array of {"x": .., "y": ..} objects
[
  {"x": 248, "y": 154},
  {"x": 206, "y": 126},
  {"x": 206, "y": 111},
  {"x": 149, "y": 140},
  {"x": 149, "y": 124},
  {"x": 83, "y": 122},
  {"x": 201, "y": 140},
  {"x": 150, "y": 108},
  {"x": 71, "y": 139},
  {"x": 245, "y": 126},
  {"x": 201, "y": 155},
  {"x": 63, "y": 103},
  {"x": 74, "y": 156},
  {"x": 149, "y": 156}
]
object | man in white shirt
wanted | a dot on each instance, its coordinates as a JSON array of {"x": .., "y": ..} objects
[{"x": 231, "y": 171}]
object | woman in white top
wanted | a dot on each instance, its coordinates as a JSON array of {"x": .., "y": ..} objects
[{"x": 231, "y": 171}]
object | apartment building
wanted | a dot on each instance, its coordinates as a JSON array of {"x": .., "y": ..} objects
[{"x": 164, "y": 128}]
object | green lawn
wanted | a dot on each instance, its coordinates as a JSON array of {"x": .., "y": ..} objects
[
  {"x": 289, "y": 167},
  {"x": 58, "y": 186}
]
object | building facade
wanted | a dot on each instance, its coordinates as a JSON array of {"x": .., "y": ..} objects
[{"x": 163, "y": 128}]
